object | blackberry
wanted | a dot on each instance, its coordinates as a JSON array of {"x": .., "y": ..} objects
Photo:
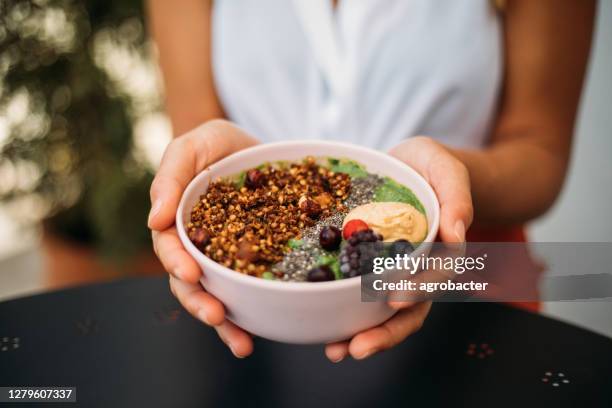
[
  {"x": 357, "y": 254},
  {"x": 400, "y": 247}
]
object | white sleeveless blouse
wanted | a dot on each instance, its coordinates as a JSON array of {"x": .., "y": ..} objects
[{"x": 370, "y": 72}]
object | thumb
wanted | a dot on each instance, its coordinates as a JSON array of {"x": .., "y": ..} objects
[
  {"x": 451, "y": 183},
  {"x": 454, "y": 222}
]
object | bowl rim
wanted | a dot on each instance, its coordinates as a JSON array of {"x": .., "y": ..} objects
[{"x": 283, "y": 285}]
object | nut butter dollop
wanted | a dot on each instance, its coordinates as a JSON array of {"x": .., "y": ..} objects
[{"x": 392, "y": 220}]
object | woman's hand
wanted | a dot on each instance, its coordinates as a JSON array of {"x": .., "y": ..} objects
[
  {"x": 450, "y": 180},
  {"x": 183, "y": 159}
]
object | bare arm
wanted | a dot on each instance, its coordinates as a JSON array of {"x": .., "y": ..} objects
[
  {"x": 520, "y": 174},
  {"x": 181, "y": 30}
]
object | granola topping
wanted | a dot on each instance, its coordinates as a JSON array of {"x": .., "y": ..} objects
[{"x": 245, "y": 226}]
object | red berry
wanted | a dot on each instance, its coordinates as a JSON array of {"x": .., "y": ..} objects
[
  {"x": 352, "y": 227},
  {"x": 254, "y": 179}
]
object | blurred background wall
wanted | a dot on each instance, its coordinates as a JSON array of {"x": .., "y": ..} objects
[
  {"x": 81, "y": 132},
  {"x": 80, "y": 136}
]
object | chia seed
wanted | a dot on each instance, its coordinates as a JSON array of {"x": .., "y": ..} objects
[{"x": 362, "y": 190}]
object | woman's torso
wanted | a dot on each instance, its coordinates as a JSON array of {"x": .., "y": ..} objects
[{"x": 369, "y": 72}]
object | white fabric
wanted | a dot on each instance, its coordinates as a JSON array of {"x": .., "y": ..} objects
[{"x": 371, "y": 72}]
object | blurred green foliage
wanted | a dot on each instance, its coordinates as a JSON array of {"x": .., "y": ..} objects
[{"x": 77, "y": 137}]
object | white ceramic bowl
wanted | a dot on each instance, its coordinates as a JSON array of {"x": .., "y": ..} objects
[{"x": 298, "y": 312}]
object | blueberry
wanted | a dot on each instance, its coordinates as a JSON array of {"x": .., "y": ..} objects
[
  {"x": 330, "y": 238},
  {"x": 320, "y": 274},
  {"x": 401, "y": 247}
]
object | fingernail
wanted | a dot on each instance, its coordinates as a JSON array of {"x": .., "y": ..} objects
[
  {"x": 231, "y": 347},
  {"x": 337, "y": 359},
  {"x": 460, "y": 231},
  {"x": 365, "y": 355},
  {"x": 202, "y": 316},
  {"x": 157, "y": 204},
  {"x": 398, "y": 304},
  {"x": 336, "y": 356}
]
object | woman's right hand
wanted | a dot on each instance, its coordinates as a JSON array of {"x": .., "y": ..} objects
[{"x": 183, "y": 159}]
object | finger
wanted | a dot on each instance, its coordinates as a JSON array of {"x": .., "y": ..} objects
[
  {"x": 401, "y": 304},
  {"x": 209, "y": 310},
  {"x": 198, "y": 302},
  {"x": 424, "y": 282},
  {"x": 390, "y": 333},
  {"x": 173, "y": 256},
  {"x": 185, "y": 157},
  {"x": 336, "y": 352},
  {"x": 239, "y": 341}
]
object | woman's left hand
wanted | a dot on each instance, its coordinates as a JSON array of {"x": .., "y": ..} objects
[{"x": 450, "y": 180}]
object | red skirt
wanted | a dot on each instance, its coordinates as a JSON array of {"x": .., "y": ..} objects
[{"x": 530, "y": 268}]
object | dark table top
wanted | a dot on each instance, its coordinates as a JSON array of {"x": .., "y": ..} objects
[{"x": 128, "y": 343}]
